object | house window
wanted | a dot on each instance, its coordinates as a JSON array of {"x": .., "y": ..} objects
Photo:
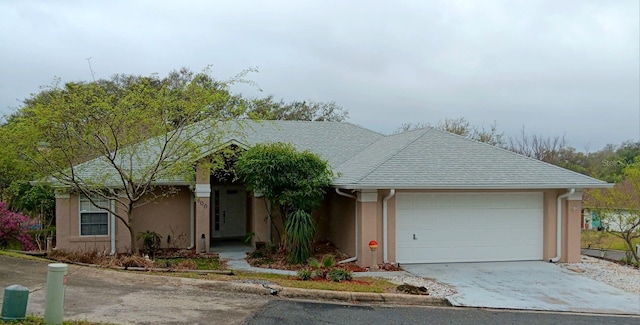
[{"x": 94, "y": 221}]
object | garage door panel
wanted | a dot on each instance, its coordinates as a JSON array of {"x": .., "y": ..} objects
[{"x": 454, "y": 227}]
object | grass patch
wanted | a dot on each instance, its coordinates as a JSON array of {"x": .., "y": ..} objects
[
  {"x": 603, "y": 239},
  {"x": 23, "y": 256},
  {"x": 358, "y": 284},
  {"x": 35, "y": 320},
  {"x": 189, "y": 263}
]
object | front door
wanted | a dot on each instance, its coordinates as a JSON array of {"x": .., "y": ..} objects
[{"x": 228, "y": 211}]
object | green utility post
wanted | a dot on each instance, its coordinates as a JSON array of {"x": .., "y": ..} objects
[
  {"x": 54, "y": 303},
  {"x": 14, "y": 305}
]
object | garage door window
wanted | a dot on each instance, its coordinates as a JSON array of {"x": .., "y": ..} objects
[{"x": 94, "y": 220}]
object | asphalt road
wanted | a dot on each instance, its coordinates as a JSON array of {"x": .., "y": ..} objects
[
  {"x": 131, "y": 298},
  {"x": 128, "y": 298},
  {"x": 293, "y": 312}
]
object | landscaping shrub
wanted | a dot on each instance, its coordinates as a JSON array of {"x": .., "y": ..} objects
[
  {"x": 300, "y": 229},
  {"x": 325, "y": 269},
  {"x": 13, "y": 231},
  {"x": 65, "y": 256},
  {"x": 339, "y": 274},
  {"x": 150, "y": 242},
  {"x": 305, "y": 274}
]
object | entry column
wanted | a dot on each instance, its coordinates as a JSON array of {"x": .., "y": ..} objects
[
  {"x": 368, "y": 224},
  {"x": 202, "y": 194},
  {"x": 572, "y": 228}
]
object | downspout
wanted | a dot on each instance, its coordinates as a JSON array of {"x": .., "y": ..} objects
[
  {"x": 113, "y": 230},
  {"x": 385, "y": 250},
  {"x": 559, "y": 225},
  {"x": 355, "y": 258},
  {"x": 192, "y": 230}
]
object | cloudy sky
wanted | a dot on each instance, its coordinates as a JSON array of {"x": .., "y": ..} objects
[{"x": 554, "y": 67}]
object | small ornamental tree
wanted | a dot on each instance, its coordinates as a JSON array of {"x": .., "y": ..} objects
[
  {"x": 120, "y": 139},
  {"x": 13, "y": 229},
  {"x": 294, "y": 182},
  {"x": 619, "y": 208}
]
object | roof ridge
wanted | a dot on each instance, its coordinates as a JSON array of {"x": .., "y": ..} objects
[
  {"x": 366, "y": 129},
  {"x": 423, "y": 130},
  {"x": 317, "y": 122},
  {"x": 518, "y": 154}
]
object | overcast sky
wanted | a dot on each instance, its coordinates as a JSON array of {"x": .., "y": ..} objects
[{"x": 555, "y": 67}]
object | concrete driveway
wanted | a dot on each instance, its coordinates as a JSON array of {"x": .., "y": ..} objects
[{"x": 531, "y": 285}]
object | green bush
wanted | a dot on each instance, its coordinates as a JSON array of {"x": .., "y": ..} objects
[
  {"x": 339, "y": 274},
  {"x": 305, "y": 274},
  {"x": 150, "y": 242},
  {"x": 300, "y": 229}
]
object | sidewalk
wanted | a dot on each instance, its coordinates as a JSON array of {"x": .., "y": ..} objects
[
  {"x": 605, "y": 253},
  {"x": 236, "y": 260}
]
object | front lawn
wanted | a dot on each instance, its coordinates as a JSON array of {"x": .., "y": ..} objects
[
  {"x": 184, "y": 260},
  {"x": 188, "y": 263},
  {"x": 35, "y": 320},
  {"x": 602, "y": 239},
  {"x": 357, "y": 284},
  {"x": 364, "y": 284}
]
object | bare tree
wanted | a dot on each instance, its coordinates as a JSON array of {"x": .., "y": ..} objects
[
  {"x": 462, "y": 127},
  {"x": 547, "y": 149}
]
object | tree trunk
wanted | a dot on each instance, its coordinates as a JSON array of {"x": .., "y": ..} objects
[{"x": 132, "y": 233}]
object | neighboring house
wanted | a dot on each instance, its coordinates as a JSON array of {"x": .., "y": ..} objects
[
  {"x": 426, "y": 196},
  {"x": 614, "y": 215},
  {"x": 591, "y": 220}
]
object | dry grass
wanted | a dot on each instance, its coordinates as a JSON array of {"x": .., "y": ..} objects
[
  {"x": 35, "y": 320},
  {"x": 356, "y": 285},
  {"x": 191, "y": 262},
  {"x": 602, "y": 239},
  {"x": 23, "y": 256}
]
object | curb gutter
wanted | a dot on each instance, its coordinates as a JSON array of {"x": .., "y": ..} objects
[
  {"x": 314, "y": 294},
  {"x": 295, "y": 293}
]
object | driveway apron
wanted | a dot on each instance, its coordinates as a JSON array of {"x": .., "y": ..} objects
[{"x": 534, "y": 285}]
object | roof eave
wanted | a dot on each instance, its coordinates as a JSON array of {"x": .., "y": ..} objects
[{"x": 471, "y": 187}]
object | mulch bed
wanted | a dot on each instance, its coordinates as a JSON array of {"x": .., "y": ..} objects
[
  {"x": 278, "y": 259},
  {"x": 130, "y": 261}
]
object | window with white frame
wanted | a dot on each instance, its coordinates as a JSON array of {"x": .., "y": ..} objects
[{"x": 94, "y": 220}]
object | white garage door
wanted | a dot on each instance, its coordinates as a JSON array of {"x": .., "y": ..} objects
[{"x": 470, "y": 227}]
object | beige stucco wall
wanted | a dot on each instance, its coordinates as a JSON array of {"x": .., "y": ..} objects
[
  {"x": 549, "y": 224},
  {"x": 571, "y": 231},
  {"x": 169, "y": 217},
  {"x": 157, "y": 216},
  {"x": 368, "y": 224},
  {"x": 321, "y": 216},
  {"x": 68, "y": 229},
  {"x": 202, "y": 210},
  {"x": 341, "y": 222}
]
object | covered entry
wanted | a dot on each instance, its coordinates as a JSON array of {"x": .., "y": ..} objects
[{"x": 228, "y": 212}]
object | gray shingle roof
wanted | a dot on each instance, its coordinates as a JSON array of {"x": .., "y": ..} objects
[
  {"x": 433, "y": 159},
  {"x": 424, "y": 158},
  {"x": 332, "y": 141}
]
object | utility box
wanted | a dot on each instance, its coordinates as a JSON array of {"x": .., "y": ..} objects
[{"x": 14, "y": 304}]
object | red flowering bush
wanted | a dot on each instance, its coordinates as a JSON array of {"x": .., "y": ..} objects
[{"x": 13, "y": 229}]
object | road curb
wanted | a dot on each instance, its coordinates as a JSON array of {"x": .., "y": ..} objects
[
  {"x": 314, "y": 294},
  {"x": 364, "y": 297},
  {"x": 289, "y": 292}
]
